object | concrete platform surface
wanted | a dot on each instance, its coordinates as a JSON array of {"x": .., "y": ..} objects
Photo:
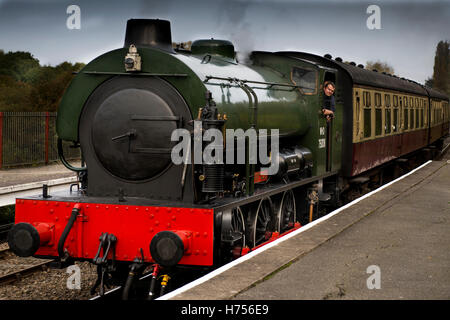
[
  {"x": 18, "y": 176},
  {"x": 394, "y": 244}
]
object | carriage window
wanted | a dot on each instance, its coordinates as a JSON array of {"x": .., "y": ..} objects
[
  {"x": 437, "y": 116},
  {"x": 405, "y": 113},
  {"x": 305, "y": 78},
  {"x": 387, "y": 100},
  {"x": 446, "y": 112},
  {"x": 432, "y": 112},
  {"x": 395, "y": 113},
  {"x": 378, "y": 124},
  {"x": 421, "y": 118},
  {"x": 357, "y": 115},
  {"x": 366, "y": 99},
  {"x": 406, "y": 118},
  {"x": 367, "y": 123},
  {"x": 387, "y": 126},
  {"x": 387, "y": 113},
  {"x": 395, "y": 124},
  {"x": 377, "y": 100},
  {"x": 378, "y": 114},
  {"x": 417, "y": 118},
  {"x": 367, "y": 114}
]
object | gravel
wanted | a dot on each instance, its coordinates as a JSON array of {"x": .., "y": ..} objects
[{"x": 51, "y": 284}]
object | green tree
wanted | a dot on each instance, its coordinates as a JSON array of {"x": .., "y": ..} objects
[
  {"x": 17, "y": 64},
  {"x": 25, "y": 85},
  {"x": 49, "y": 85},
  {"x": 441, "y": 70},
  {"x": 14, "y": 95},
  {"x": 379, "y": 66}
]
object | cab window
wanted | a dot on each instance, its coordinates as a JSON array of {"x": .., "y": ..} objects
[{"x": 305, "y": 78}]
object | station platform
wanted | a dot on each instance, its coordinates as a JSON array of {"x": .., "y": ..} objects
[
  {"x": 393, "y": 243},
  {"x": 19, "y": 176}
]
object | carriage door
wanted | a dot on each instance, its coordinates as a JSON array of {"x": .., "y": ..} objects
[{"x": 330, "y": 76}]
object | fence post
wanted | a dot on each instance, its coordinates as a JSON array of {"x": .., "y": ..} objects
[
  {"x": 1, "y": 139},
  {"x": 47, "y": 117}
]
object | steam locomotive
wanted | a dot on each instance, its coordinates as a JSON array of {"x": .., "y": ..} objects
[{"x": 134, "y": 208}]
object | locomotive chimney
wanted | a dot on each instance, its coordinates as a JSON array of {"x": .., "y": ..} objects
[{"x": 149, "y": 33}]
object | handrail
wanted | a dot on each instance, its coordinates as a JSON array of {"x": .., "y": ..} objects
[
  {"x": 64, "y": 161},
  {"x": 270, "y": 84}
]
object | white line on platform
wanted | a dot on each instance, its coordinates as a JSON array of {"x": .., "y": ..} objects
[
  {"x": 37, "y": 185},
  {"x": 106, "y": 293},
  {"x": 250, "y": 255},
  {"x": 9, "y": 194}
]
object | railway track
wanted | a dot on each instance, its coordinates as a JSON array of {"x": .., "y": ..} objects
[{"x": 13, "y": 268}]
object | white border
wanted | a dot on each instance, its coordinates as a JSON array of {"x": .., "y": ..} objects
[{"x": 250, "y": 255}]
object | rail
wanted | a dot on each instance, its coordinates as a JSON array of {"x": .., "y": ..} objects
[{"x": 22, "y": 273}]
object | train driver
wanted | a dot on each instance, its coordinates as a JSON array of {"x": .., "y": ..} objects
[{"x": 328, "y": 108}]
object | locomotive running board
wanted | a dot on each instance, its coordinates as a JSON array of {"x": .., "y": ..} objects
[{"x": 219, "y": 207}]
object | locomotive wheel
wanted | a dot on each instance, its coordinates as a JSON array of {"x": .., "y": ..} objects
[
  {"x": 287, "y": 212},
  {"x": 238, "y": 227},
  {"x": 261, "y": 222}
]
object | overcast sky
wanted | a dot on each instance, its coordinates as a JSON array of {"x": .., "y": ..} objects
[{"x": 410, "y": 30}]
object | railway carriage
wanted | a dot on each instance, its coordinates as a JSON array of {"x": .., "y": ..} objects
[
  {"x": 385, "y": 117},
  {"x": 134, "y": 207}
]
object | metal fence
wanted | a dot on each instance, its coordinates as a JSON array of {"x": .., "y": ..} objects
[{"x": 30, "y": 138}]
